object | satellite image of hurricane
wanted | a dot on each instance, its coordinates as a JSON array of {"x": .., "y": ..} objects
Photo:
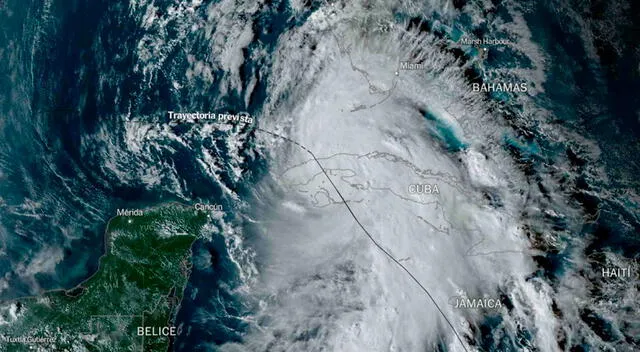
[{"x": 336, "y": 175}]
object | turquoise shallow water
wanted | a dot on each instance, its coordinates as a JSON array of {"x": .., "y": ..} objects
[{"x": 445, "y": 133}]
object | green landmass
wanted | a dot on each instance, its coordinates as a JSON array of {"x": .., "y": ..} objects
[{"x": 139, "y": 283}]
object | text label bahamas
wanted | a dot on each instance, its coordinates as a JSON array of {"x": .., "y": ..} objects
[{"x": 499, "y": 87}]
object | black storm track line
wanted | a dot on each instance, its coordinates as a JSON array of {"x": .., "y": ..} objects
[{"x": 353, "y": 215}]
